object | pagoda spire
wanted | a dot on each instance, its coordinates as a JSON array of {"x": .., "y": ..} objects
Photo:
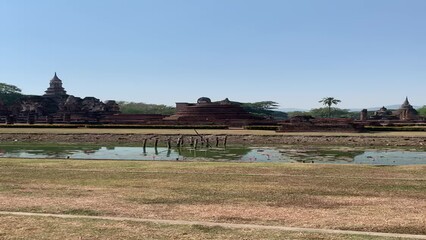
[
  {"x": 55, "y": 78},
  {"x": 406, "y": 103},
  {"x": 55, "y": 88}
]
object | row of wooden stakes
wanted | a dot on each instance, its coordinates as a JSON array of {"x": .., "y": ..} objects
[{"x": 193, "y": 142}]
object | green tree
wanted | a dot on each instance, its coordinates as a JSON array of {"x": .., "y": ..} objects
[
  {"x": 263, "y": 105},
  {"x": 9, "y": 94},
  {"x": 264, "y": 109},
  {"x": 298, "y": 113},
  {"x": 422, "y": 111},
  {"x": 329, "y": 101},
  {"x": 144, "y": 108},
  {"x": 337, "y": 113}
]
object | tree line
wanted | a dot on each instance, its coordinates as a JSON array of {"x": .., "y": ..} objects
[{"x": 264, "y": 108}]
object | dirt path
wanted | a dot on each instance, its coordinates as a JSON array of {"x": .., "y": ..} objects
[{"x": 212, "y": 224}]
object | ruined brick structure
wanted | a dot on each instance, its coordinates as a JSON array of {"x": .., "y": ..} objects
[
  {"x": 56, "y": 106},
  {"x": 220, "y": 112},
  {"x": 405, "y": 113},
  {"x": 311, "y": 124}
]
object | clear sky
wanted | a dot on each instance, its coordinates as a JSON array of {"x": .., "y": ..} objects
[{"x": 364, "y": 52}]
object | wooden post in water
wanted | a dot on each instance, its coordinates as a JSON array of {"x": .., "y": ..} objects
[
  {"x": 144, "y": 145},
  {"x": 169, "y": 144},
  {"x": 217, "y": 141},
  {"x": 178, "y": 143},
  {"x": 224, "y": 141},
  {"x": 195, "y": 143},
  {"x": 156, "y": 143}
]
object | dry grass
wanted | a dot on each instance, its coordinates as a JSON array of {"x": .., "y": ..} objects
[
  {"x": 13, "y": 227},
  {"x": 383, "y": 199},
  {"x": 201, "y": 131}
]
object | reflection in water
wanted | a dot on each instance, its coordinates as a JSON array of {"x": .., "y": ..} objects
[
  {"x": 287, "y": 154},
  {"x": 391, "y": 158}
]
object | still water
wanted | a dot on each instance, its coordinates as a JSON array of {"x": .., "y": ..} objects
[{"x": 287, "y": 154}]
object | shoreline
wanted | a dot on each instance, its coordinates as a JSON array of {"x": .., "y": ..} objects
[{"x": 231, "y": 139}]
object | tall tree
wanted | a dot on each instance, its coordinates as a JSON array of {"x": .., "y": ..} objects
[
  {"x": 9, "y": 94},
  {"x": 329, "y": 101}
]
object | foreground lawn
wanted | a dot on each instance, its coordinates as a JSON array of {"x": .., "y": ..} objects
[
  {"x": 366, "y": 198},
  {"x": 13, "y": 227}
]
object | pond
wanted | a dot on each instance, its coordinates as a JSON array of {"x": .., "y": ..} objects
[{"x": 282, "y": 154}]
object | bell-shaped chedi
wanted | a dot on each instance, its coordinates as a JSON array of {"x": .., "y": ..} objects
[{"x": 204, "y": 110}]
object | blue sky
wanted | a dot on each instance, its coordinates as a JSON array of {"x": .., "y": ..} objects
[{"x": 363, "y": 52}]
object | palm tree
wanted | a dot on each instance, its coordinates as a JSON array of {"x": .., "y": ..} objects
[{"x": 328, "y": 101}]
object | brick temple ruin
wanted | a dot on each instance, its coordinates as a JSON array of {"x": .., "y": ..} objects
[
  {"x": 56, "y": 106},
  {"x": 311, "y": 124},
  {"x": 223, "y": 112},
  {"x": 405, "y": 113}
]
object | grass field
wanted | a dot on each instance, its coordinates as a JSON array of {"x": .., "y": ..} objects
[
  {"x": 13, "y": 227},
  {"x": 365, "y": 198}
]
